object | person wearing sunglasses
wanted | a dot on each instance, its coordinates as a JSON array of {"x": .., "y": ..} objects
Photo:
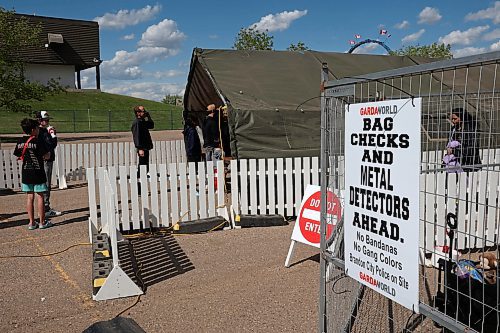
[{"x": 140, "y": 132}]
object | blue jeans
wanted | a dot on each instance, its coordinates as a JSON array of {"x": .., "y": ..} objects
[
  {"x": 48, "y": 173},
  {"x": 213, "y": 154},
  {"x": 209, "y": 152}
]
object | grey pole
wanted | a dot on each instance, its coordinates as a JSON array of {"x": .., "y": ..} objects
[
  {"x": 324, "y": 167},
  {"x": 171, "y": 119}
]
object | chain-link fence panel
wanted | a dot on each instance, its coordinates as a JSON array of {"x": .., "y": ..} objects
[
  {"x": 93, "y": 120},
  {"x": 459, "y": 192}
]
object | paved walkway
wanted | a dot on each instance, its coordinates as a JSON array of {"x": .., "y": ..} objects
[{"x": 225, "y": 281}]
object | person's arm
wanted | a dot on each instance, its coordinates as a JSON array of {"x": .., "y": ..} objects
[
  {"x": 45, "y": 140},
  {"x": 42, "y": 150},
  {"x": 469, "y": 147},
  {"x": 199, "y": 131},
  {"x": 19, "y": 149},
  {"x": 190, "y": 141},
  {"x": 148, "y": 121},
  {"x": 208, "y": 132},
  {"x": 52, "y": 136},
  {"x": 136, "y": 134}
]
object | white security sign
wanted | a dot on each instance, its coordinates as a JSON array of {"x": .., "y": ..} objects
[{"x": 382, "y": 167}]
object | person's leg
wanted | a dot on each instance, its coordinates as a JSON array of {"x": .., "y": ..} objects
[
  {"x": 143, "y": 160},
  {"x": 194, "y": 159},
  {"x": 146, "y": 158},
  {"x": 48, "y": 172},
  {"x": 217, "y": 155},
  {"x": 41, "y": 207},
  {"x": 29, "y": 207},
  {"x": 209, "y": 154}
]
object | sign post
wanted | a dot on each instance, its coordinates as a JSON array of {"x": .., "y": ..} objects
[
  {"x": 381, "y": 225},
  {"x": 306, "y": 229}
]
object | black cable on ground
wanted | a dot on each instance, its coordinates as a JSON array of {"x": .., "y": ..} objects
[
  {"x": 45, "y": 255},
  {"x": 337, "y": 279},
  {"x": 143, "y": 286},
  {"x": 138, "y": 299}
]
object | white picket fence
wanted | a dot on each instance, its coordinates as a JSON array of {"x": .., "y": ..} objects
[
  {"x": 10, "y": 171},
  {"x": 276, "y": 186},
  {"x": 72, "y": 160},
  {"x": 176, "y": 192},
  {"x": 169, "y": 194},
  {"x": 475, "y": 198},
  {"x": 264, "y": 186},
  {"x": 271, "y": 186}
]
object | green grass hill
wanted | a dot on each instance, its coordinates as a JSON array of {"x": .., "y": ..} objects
[{"x": 92, "y": 111}]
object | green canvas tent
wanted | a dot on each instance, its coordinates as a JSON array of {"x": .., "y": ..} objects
[{"x": 273, "y": 96}]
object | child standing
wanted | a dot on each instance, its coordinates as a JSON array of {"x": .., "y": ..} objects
[{"x": 33, "y": 174}]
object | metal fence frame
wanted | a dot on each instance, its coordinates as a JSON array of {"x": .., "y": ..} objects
[
  {"x": 98, "y": 120},
  {"x": 449, "y": 82}
]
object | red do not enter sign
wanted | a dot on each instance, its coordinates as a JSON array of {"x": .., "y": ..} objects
[{"x": 309, "y": 217}]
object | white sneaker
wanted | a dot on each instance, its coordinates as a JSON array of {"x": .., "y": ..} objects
[{"x": 52, "y": 213}]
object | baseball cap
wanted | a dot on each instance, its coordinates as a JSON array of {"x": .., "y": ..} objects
[{"x": 42, "y": 115}]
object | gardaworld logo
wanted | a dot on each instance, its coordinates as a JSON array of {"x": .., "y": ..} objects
[
  {"x": 378, "y": 284},
  {"x": 368, "y": 278},
  {"x": 378, "y": 110}
]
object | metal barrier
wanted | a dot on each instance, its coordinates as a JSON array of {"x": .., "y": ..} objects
[
  {"x": 458, "y": 202},
  {"x": 109, "y": 280},
  {"x": 97, "y": 120}
]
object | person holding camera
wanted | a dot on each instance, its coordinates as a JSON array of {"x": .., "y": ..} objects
[{"x": 140, "y": 132}]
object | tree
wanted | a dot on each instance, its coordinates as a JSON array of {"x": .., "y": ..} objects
[
  {"x": 171, "y": 99},
  {"x": 15, "y": 91},
  {"x": 434, "y": 50},
  {"x": 252, "y": 39},
  {"x": 299, "y": 47},
  {"x": 168, "y": 99}
]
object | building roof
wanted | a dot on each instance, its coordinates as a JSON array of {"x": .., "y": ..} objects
[{"x": 64, "y": 42}]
